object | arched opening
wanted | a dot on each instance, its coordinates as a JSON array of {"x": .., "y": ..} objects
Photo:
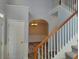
[{"x": 38, "y": 30}]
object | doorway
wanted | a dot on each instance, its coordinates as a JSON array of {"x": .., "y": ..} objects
[
  {"x": 38, "y": 30},
  {"x": 1, "y": 38}
]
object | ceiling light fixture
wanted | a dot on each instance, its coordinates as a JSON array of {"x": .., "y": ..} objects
[
  {"x": 34, "y": 24},
  {"x": 1, "y": 15}
]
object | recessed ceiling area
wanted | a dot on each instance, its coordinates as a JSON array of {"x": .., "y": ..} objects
[{"x": 38, "y": 28}]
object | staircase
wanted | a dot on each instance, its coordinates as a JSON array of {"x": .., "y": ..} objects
[{"x": 61, "y": 43}]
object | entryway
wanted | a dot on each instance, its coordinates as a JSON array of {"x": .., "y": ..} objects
[{"x": 38, "y": 30}]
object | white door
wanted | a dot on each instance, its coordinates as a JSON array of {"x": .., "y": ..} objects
[
  {"x": 16, "y": 45},
  {"x": 1, "y": 38}
]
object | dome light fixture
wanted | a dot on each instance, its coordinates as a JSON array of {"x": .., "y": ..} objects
[
  {"x": 1, "y": 15},
  {"x": 34, "y": 24}
]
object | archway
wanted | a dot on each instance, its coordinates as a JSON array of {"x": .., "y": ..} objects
[{"x": 38, "y": 30}]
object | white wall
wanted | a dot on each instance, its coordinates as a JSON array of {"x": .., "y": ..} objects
[
  {"x": 2, "y": 11},
  {"x": 38, "y": 8},
  {"x": 2, "y": 6},
  {"x": 17, "y": 12},
  {"x": 63, "y": 14},
  {"x": 1, "y": 38}
]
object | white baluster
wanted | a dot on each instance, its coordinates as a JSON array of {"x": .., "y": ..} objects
[
  {"x": 73, "y": 26},
  {"x": 51, "y": 47},
  {"x": 39, "y": 53},
  {"x": 63, "y": 35},
  {"x": 57, "y": 42},
  {"x": 45, "y": 52},
  {"x": 60, "y": 38},
  {"x": 42, "y": 52},
  {"x": 72, "y": 5},
  {"x": 76, "y": 5},
  {"x": 54, "y": 45},
  {"x": 69, "y": 6},
  {"x": 48, "y": 49},
  {"x": 76, "y": 24},
  {"x": 65, "y": 32},
  {"x": 68, "y": 31}
]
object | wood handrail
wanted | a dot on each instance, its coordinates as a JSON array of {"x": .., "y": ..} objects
[{"x": 52, "y": 33}]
